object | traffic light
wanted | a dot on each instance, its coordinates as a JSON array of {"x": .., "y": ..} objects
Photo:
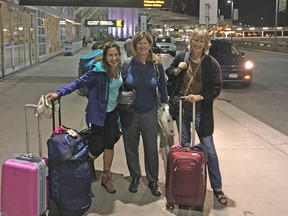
[{"x": 119, "y": 23}]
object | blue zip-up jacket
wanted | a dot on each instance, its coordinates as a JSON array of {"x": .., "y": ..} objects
[
  {"x": 146, "y": 92},
  {"x": 98, "y": 82}
]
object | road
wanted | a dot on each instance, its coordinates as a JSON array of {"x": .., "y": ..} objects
[{"x": 267, "y": 98}]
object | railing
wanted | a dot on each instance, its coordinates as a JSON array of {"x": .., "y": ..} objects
[
  {"x": 280, "y": 45},
  {"x": 71, "y": 47}
]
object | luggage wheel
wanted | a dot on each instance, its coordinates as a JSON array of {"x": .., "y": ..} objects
[
  {"x": 52, "y": 208},
  {"x": 169, "y": 206}
]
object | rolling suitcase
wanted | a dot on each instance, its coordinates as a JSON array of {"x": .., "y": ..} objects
[
  {"x": 186, "y": 173},
  {"x": 70, "y": 174},
  {"x": 23, "y": 186}
]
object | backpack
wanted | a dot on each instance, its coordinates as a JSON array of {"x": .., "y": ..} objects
[
  {"x": 70, "y": 174},
  {"x": 172, "y": 83},
  {"x": 85, "y": 63}
]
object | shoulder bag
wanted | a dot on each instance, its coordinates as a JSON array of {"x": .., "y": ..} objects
[
  {"x": 126, "y": 98},
  {"x": 174, "y": 100}
]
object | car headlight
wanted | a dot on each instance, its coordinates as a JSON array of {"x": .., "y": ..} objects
[
  {"x": 173, "y": 47},
  {"x": 248, "y": 65}
]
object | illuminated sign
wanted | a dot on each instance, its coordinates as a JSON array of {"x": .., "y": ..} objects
[
  {"x": 104, "y": 23},
  {"x": 153, "y": 4},
  {"x": 119, "y": 23},
  {"x": 100, "y": 3}
]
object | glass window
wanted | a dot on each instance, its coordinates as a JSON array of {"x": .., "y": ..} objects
[
  {"x": 62, "y": 36},
  {"x": 41, "y": 33},
  {"x": 164, "y": 40}
]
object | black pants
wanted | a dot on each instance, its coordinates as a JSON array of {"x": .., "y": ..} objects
[{"x": 104, "y": 137}]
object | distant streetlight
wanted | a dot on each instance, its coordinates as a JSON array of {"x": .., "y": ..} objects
[
  {"x": 276, "y": 23},
  {"x": 232, "y": 14},
  {"x": 232, "y": 9}
]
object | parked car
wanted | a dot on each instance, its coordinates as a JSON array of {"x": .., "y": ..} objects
[
  {"x": 235, "y": 67},
  {"x": 166, "y": 45},
  {"x": 155, "y": 48}
]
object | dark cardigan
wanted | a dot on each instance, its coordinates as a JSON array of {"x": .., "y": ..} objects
[{"x": 211, "y": 88}]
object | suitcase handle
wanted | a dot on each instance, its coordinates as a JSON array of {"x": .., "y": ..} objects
[
  {"x": 193, "y": 122},
  {"x": 53, "y": 113},
  {"x": 32, "y": 106}
]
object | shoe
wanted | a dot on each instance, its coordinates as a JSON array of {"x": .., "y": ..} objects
[
  {"x": 92, "y": 165},
  {"x": 107, "y": 182},
  {"x": 220, "y": 196},
  {"x": 154, "y": 188},
  {"x": 133, "y": 187}
]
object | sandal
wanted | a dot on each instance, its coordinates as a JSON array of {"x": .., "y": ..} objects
[{"x": 220, "y": 196}]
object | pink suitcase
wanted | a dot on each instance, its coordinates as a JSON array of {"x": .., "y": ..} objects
[
  {"x": 23, "y": 183},
  {"x": 186, "y": 173},
  {"x": 23, "y": 188}
]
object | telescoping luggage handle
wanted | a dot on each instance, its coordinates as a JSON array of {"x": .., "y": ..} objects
[
  {"x": 53, "y": 113},
  {"x": 193, "y": 121},
  {"x": 34, "y": 106}
]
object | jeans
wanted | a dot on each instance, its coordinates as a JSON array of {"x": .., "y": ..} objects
[{"x": 212, "y": 158}]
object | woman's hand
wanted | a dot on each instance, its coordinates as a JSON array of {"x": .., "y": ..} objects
[
  {"x": 191, "y": 98},
  {"x": 51, "y": 96},
  {"x": 181, "y": 66}
]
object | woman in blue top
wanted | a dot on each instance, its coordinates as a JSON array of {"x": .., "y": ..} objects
[
  {"x": 143, "y": 76},
  {"x": 104, "y": 81}
]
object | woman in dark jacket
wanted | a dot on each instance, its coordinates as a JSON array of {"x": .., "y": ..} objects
[
  {"x": 104, "y": 81},
  {"x": 199, "y": 79}
]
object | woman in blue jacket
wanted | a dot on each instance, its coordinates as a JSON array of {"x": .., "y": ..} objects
[
  {"x": 146, "y": 76},
  {"x": 104, "y": 80}
]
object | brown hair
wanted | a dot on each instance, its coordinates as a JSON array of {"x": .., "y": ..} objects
[
  {"x": 103, "y": 58},
  {"x": 140, "y": 36}
]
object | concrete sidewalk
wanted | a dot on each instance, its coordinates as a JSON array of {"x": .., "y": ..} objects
[{"x": 253, "y": 156}]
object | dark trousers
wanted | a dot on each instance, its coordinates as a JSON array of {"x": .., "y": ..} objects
[{"x": 146, "y": 125}]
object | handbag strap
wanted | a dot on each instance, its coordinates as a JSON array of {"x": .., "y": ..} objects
[
  {"x": 125, "y": 67},
  {"x": 156, "y": 67},
  {"x": 191, "y": 80}
]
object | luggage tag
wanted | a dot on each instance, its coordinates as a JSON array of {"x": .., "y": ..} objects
[{"x": 71, "y": 133}]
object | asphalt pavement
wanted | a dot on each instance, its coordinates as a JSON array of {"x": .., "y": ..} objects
[{"x": 253, "y": 156}]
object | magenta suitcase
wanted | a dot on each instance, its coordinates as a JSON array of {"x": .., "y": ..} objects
[
  {"x": 186, "y": 174},
  {"x": 23, "y": 181},
  {"x": 23, "y": 188}
]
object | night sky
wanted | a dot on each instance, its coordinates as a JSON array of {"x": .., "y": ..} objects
[{"x": 251, "y": 12}]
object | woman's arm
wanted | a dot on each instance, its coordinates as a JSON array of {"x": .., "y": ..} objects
[{"x": 162, "y": 84}]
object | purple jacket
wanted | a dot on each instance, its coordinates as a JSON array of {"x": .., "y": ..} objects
[{"x": 98, "y": 82}]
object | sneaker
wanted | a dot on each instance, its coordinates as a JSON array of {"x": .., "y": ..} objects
[{"x": 107, "y": 182}]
